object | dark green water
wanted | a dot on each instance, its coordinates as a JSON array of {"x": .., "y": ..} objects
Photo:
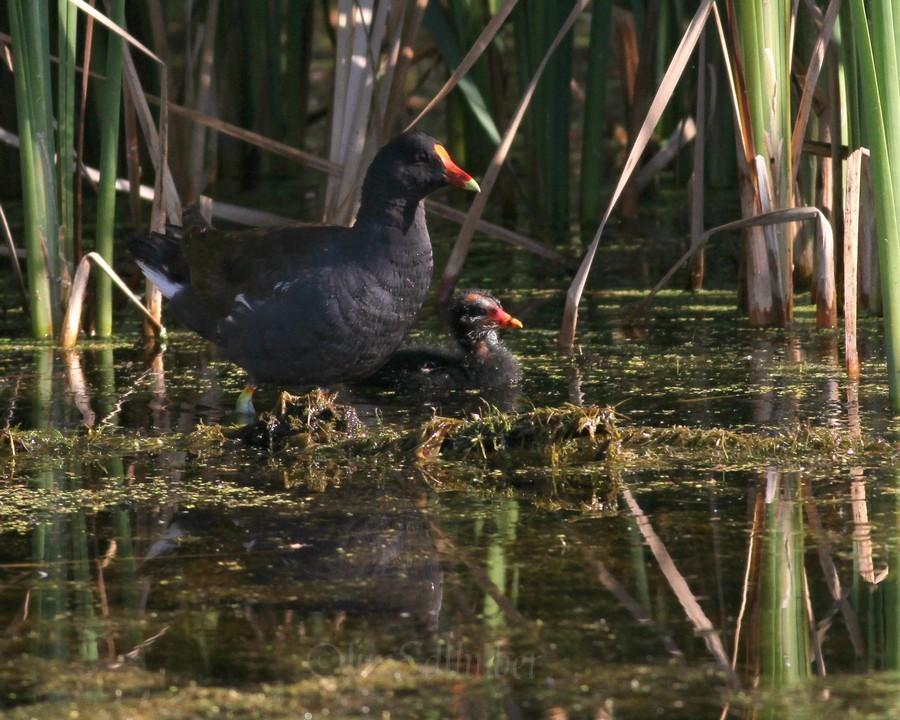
[{"x": 145, "y": 576}]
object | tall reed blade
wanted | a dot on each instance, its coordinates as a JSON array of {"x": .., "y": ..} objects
[
  {"x": 880, "y": 86},
  {"x": 763, "y": 34},
  {"x": 109, "y": 155},
  {"x": 68, "y": 41},
  {"x": 594, "y": 132},
  {"x": 31, "y": 60},
  {"x": 547, "y": 125}
]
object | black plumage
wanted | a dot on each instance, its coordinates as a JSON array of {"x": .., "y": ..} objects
[
  {"x": 308, "y": 304},
  {"x": 477, "y": 361}
]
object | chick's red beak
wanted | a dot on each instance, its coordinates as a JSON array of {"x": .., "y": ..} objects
[
  {"x": 454, "y": 174},
  {"x": 505, "y": 320}
]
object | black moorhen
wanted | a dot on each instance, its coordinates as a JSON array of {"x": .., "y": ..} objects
[
  {"x": 308, "y": 304},
  {"x": 479, "y": 362}
]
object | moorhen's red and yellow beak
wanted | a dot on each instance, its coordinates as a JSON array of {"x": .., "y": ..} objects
[{"x": 453, "y": 173}]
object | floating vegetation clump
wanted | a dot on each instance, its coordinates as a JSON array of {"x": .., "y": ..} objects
[
  {"x": 547, "y": 436},
  {"x": 301, "y": 421}
]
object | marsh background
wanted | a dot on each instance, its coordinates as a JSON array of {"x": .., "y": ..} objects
[{"x": 722, "y": 546}]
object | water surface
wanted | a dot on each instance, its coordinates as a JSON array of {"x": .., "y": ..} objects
[{"x": 144, "y": 573}]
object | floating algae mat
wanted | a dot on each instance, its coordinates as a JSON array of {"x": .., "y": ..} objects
[
  {"x": 316, "y": 424},
  {"x": 543, "y": 437}
]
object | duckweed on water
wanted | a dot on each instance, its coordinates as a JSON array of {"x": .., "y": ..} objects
[
  {"x": 386, "y": 688},
  {"x": 317, "y": 426}
]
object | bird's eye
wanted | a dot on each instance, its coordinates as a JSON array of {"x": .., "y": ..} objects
[{"x": 420, "y": 157}]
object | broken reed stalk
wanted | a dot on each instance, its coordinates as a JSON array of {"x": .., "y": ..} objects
[
  {"x": 851, "y": 257},
  {"x": 823, "y": 231},
  {"x": 72, "y": 321}
]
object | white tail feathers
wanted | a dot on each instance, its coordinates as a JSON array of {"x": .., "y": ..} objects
[{"x": 166, "y": 286}]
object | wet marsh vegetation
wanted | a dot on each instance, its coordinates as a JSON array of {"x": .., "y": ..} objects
[
  {"x": 648, "y": 527},
  {"x": 694, "y": 515}
]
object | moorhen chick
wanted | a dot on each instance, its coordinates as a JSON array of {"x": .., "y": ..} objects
[
  {"x": 479, "y": 362},
  {"x": 307, "y": 304}
]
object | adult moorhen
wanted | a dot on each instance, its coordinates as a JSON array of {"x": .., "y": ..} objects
[
  {"x": 308, "y": 304},
  {"x": 480, "y": 361}
]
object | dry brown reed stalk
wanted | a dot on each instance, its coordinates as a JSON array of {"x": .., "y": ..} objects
[
  {"x": 475, "y": 52},
  {"x": 361, "y": 29},
  {"x": 152, "y": 136},
  {"x": 71, "y": 324},
  {"x": 703, "y": 626},
  {"x": 851, "y": 259},
  {"x": 664, "y": 93},
  {"x": 464, "y": 239}
]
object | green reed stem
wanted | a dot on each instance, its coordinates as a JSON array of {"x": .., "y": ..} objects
[
  {"x": 111, "y": 105},
  {"x": 591, "y": 200},
  {"x": 880, "y": 110},
  {"x": 784, "y": 631},
  {"x": 765, "y": 41},
  {"x": 30, "y": 46},
  {"x": 67, "y": 43},
  {"x": 548, "y": 120}
]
